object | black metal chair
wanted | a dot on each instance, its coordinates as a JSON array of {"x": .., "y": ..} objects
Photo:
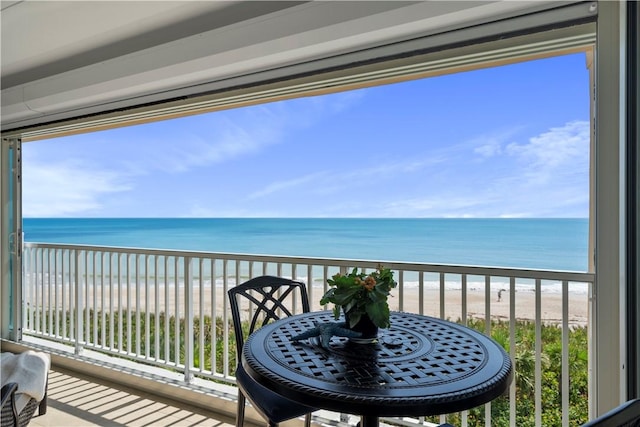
[
  {"x": 270, "y": 298},
  {"x": 625, "y": 415},
  {"x": 21, "y": 382},
  {"x": 9, "y": 414}
]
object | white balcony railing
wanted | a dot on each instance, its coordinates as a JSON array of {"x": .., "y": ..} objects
[{"x": 169, "y": 309}]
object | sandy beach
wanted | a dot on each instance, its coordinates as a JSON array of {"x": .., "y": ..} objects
[
  {"x": 451, "y": 305},
  {"x": 478, "y": 304}
]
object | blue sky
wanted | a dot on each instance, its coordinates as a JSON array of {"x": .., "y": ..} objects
[{"x": 510, "y": 141}]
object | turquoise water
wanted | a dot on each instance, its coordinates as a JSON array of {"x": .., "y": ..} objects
[{"x": 556, "y": 244}]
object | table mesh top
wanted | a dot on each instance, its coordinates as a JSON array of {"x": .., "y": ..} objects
[{"x": 419, "y": 361}]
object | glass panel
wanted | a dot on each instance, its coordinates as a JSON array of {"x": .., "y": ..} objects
[
  {"x": 11, "y": 217},
  {"x": 12, "y": 235}
]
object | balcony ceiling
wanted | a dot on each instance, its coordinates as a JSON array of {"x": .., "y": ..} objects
[{"x": 66, "y": 58}]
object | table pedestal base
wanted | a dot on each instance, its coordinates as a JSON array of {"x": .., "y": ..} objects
[{"x": 369, "y": 421}]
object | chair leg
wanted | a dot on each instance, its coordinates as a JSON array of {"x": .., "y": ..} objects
[
  {"x": 240, "y": 411},
  {"x": 307, "y": 420},
  {"x": 42, "y": 407}
]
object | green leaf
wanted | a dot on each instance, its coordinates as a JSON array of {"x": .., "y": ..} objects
[
  {"x": 379, "y": 314},
  {"x": 327, "y": 297},
  {"x": 354, "y": 318}
]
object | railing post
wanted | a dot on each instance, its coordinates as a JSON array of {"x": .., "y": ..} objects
[
  {"x": 188, "y": 320},
  {"x": 79, "y": 319},
  {"x": 225, "y": 318},
  {"x": 64, "y": 289}
]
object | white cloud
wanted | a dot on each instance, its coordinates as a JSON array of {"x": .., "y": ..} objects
[
  {"x": 278, "y": 186},
  {"x": 327, "y": 181},
  {"x": 491, "y": 145},
  {"x": 72, "y": 177},
  {"x": 217, "y": 140},
  {"x": 565, "y": 145},
  {"x": 547, "y": 176},
  {"x": 222, "y": 136},
  {"x": 66, "y": 189},
  {"x": 450, "y": 204},
  {"x": 490, "y": 149},
  {"x": 550, "y": 176}
]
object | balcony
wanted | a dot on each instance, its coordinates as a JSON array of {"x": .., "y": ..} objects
[
  {"x": 112, "y": 93},
  {"x": 106, "y": 311}
]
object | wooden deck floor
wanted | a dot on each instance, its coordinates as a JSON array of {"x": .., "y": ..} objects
[{"x": 74, "y": 401}]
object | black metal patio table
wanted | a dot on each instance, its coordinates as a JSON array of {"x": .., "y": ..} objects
[{"x": 420, "y": 366}]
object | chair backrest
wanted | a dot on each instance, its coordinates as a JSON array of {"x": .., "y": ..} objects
[
  {"x": 269, "y": 298},
  {"x": 625, "y": 415}
]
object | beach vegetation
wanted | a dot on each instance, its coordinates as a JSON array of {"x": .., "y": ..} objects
[
  {"x": 218, "y": 338},
  {"x": 550, "y": 387}
]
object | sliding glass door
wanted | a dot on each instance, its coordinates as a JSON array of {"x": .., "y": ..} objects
[{"x": 11, "y": 235}]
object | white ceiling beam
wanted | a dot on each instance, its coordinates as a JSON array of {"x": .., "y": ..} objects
[{"x": 298, "y": 34}]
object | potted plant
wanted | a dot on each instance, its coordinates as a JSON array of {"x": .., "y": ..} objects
[{"x": 362, "y": 297}]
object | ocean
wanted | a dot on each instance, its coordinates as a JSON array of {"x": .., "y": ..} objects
[{"x": 553, "y": 244}]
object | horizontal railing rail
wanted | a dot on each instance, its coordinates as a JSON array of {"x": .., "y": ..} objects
[{"x": 169, "y": 308}]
